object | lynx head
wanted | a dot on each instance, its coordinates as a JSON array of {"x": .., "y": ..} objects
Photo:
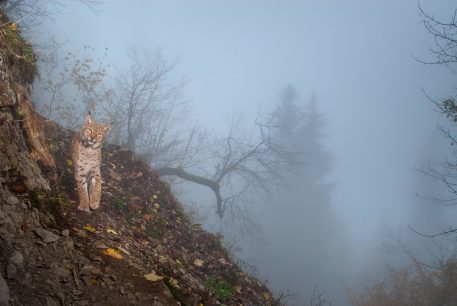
[{"x": 92, "y": 134}]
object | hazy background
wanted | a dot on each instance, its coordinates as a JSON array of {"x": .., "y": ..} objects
[{"x": 356, "y": 56}]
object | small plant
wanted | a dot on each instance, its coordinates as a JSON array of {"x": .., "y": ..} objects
[
  {"x": 36, "y": 199},
  {"x": 174, "y": 289},
  {"x": 120, "y": 205},
  {"x": 28, "y": 54},
  {"x": 220, "y": 289}
]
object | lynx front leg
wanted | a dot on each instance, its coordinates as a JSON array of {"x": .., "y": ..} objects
[
  {"x": 81, "y": 182},
  {"x": 96, "y": 189}
]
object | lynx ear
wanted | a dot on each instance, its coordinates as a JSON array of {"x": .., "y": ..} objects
[{"x": 89, "y": 119}]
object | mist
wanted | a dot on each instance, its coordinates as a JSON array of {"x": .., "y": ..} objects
[{"x": 358, "y": 61}]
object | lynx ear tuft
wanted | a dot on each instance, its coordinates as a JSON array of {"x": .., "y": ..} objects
[{"x": 89, "y": 119}]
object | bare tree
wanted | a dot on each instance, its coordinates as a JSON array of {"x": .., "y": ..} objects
[
  {"x": 444, "y": 52},
  {"x": 445, "y": 39},
  {"x": 240, "y": 166},
  {"x": 69, "y": 84},
  {"x": 147, "y": 100},
  {"x": 31, "y": 11}
]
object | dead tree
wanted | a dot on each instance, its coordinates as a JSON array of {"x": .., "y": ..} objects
[
  {"x": 444, "y": 52},
  {"x": 239, "y": 167},
  {"x": 146, "y": 100}
]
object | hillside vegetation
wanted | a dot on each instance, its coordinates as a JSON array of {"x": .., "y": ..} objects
[{"x": 139, "y": 248}]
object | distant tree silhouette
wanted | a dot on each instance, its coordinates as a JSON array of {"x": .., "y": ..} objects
[{"x": 312, "y": 234}]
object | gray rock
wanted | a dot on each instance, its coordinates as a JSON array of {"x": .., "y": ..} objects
[
  {"x": 65, "y": 233},
  {"x": 62, "y": 273},
  {"x": 12, "y": 200},
  {"x": 4, "y": 292},
  {"x": 86, "y": 270},
  {"x": 16, "y": 258},
  {"x": 46, "y": 236},
  {"x": 69, "y": 244},
  {"x": 11, "y": 271},
  {"x": 50, "y": 301}
]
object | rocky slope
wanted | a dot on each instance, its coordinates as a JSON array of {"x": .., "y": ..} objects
[{"x": 139, "y": 248}]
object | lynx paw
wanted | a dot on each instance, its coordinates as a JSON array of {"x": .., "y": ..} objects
[
  {"x": 83, "y": 208},
  {"x": 94, "y": 205}
]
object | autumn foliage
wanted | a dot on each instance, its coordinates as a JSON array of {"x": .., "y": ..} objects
[{"x": 417, "y": 284}]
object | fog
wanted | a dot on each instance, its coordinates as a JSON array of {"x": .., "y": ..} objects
[{"x": 358, "y": 59}]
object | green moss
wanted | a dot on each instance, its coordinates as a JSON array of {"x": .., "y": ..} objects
[
  {"x": 219, "y": 288},
  {"x": 36, "y": 198},
  {"x": 120, "y": 205}
]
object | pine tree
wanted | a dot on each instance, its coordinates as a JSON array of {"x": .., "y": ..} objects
[{"x": 313, "y": 232}]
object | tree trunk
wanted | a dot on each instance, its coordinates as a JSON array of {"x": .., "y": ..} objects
[{"x": 213, "y": 185}]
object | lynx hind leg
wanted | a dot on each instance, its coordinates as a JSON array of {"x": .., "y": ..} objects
[{"x": 96, "y": 189}]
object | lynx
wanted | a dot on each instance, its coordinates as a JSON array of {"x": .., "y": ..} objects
[{"x": 87, "y": 157}]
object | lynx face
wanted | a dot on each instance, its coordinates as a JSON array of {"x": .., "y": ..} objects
[{"x": 92, "y": 134}]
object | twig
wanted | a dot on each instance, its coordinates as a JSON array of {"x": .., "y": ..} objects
[
  {"x": 450, "y": 231},
  {"x": 12, "y": 21}
]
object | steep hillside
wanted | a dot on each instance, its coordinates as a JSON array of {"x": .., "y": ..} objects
[{"x": 139, "y": 248}]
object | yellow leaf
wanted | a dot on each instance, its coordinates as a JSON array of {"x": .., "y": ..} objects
[
  {"x": 93, "y": 281},
  {"x": 178, "y": 220},
  {"x": 111, "y": 231},
  {"x": 69, "y": 162},
  {"x": 13, "y": 26},
  {"x": 179, "y": 263},
  {"x": 153, "y": 277},
  {"x": 266, "y": 296},
  {"x": 112, "y": 253},
  {"x": 157, "y": 206},
  {"x": 90, "y": 228},
  {"x": 173, "y": 282},
  {"x": 198, "y": 262}
]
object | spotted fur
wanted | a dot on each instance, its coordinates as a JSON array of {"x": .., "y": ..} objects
[{"x": 87, "y": 157}]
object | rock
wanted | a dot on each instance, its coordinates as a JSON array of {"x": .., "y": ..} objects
[
  {"x": 61, "y": 297},
  {"x": 50, "y": 301},
  {"x": 17, "y": 218},
  {"x": 66, "y": 233},
  {"x": 100, "y": 245},
  {"x": 46, "y": 236},
  {"x": 11, "y": 271},
  {"x": 86, "y": 270},
  {"x": 62, "y": 273},
  {"x": 86, "y": 280},
  {"x": 16, "y": 258},
  {"x": 12, "y": 200},
  {"x": 69, "y": 244},
  {"x": 122, "y": 290},
  {"x": 94, "y": 257},
  {"x": 4, "y": 292},
  {"x": 78, "y": 245}
]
